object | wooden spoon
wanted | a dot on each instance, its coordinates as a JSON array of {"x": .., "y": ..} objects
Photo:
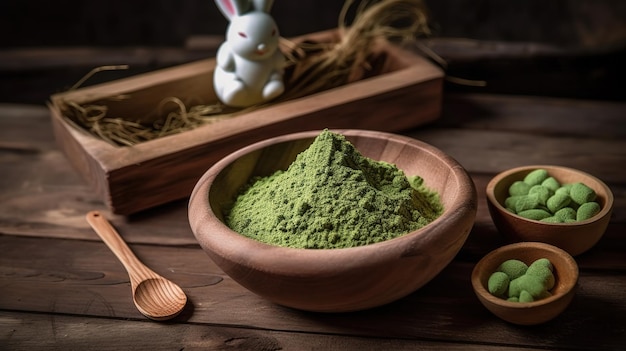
[{"x": 155, "y": 297}]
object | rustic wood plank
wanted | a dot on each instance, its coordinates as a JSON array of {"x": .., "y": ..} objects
[
  {"x": 534, "y": 115},
  {"x": 484, "y": 151},
  {"x": 84, "y": 278},
  {"x": 28, "y": 331},
  {"x": 42, "y": 199},
  {"x": 25, "y": 128}
]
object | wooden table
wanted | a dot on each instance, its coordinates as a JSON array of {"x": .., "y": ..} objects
[{"x": 61, "y": 288}]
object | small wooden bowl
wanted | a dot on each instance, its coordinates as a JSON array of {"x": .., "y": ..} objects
[
  {"x": 529, "y": 313},
  {"x": 575, "y": 237},
  {"x": 334, "y": 280}
]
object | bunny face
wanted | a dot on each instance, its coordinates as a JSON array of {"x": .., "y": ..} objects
[{"x": 253, "y": 36}]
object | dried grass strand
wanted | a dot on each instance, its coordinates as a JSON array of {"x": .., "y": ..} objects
[
  {"x": 94, "y": 71},
  {"x": 334, "y": 64}
]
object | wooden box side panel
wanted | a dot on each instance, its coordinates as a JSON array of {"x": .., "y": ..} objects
[{"x": 86, "y": 165}]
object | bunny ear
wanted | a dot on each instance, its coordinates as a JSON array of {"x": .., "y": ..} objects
[
  {"x": 263, "y": 5},
  {"x": 233, "y": 8}
]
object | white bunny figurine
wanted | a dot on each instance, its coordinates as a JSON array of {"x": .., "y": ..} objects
[{"x": 249, "y": 64}]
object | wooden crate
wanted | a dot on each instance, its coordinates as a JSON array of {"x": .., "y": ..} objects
[{"x": 406, "y": 93}]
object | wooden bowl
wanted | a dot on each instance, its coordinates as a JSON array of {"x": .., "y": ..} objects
[
  {"x": 334, "y": 280},
  {"x": 527, "y": 313},
  {"x": 575, "y": 237}
]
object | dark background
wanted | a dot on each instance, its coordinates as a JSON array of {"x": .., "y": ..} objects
[
  {"x": 571, "y": 48},
  {"x": 573, "y": 23}
]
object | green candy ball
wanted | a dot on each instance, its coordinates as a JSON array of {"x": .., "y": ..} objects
[
  {"x": 513, "y": 268},
  {"x": 542, "y": 272},
  {"x": 587, "y": 210},
  {"x": 519, "y": 188},
  {"x": 580, "y": 193},
  {"x": 536, "y": 177},
  {"x": 525, "y": 296},
  {"x": 526, "y": 202},
  {"x": 563, "y": 190},
  {"x": 498, "y": 284},
  {"x": 535, "y": 214},
  {"x": 541, "y": 192},
  {"x": 529, "y": 283},
  {"x": 557, "y": 202},
  {"x": 566, "y": 213},
  {"x": 551, "y": 184},
  {"x": 543, "y": 262},
  {"x": 553, "y": 219},
  {"x": 509, "y": 202}
]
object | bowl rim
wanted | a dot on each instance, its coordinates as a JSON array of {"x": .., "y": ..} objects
[
  {"x": 402, "y": 244},
  {"x": 480, "y": 289},
  {"x": 491, "y": 197}
]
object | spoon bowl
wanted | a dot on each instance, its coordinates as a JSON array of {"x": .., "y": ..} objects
[
  {"x": 154, "y": 296},
  {"x": 159, "y": 298}
]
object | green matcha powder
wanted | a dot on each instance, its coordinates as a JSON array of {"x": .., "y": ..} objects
[{"x": 333, "y": 197}]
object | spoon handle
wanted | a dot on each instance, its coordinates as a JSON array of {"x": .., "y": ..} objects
[{"x": 135, "y": 268}]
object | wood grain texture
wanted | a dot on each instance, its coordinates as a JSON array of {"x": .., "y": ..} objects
[
  {"x": 30, "y": 331},
  {"x": 70, "y": 277},
  {"x": 61, "y": 288}
]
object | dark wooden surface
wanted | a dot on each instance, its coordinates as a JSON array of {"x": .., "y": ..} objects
[{"x": 62, "y": 289}]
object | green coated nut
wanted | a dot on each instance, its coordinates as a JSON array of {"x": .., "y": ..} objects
[
  {"x": 543, "y": 273},
  {"x": 551, "y": 184},
  {"x": 566, "y": 213},
  {"x": 543, "y": 262},
  {"x": 519, "y": 188},
  {"x": 536, "y": 177},
  {"x": 587, "y": 210},
  {"x": 581, "y": 193},
  {"x": 525, "y": 296},
  {"x": 498, "y": 284},
  {"x": 546, "y": 294},
  {"x": 557, "y": 202},
  {"x": 513, "y": 268},
  {"x": 536, "y": 214},
  {"x": 509, "y": 202},
  {"x": 541, "y": 192},
  {"x": 526, "y": 202},
  {"x": 552, "y": 219},
  {"x": 531, "y": 284},
  {"x": 562, "y": 190}
]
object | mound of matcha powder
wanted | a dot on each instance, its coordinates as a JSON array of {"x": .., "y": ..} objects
[{"x": 331, "y": 196}]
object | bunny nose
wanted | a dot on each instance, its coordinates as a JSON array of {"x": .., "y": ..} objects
[{"x": 261, "y": 47}]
